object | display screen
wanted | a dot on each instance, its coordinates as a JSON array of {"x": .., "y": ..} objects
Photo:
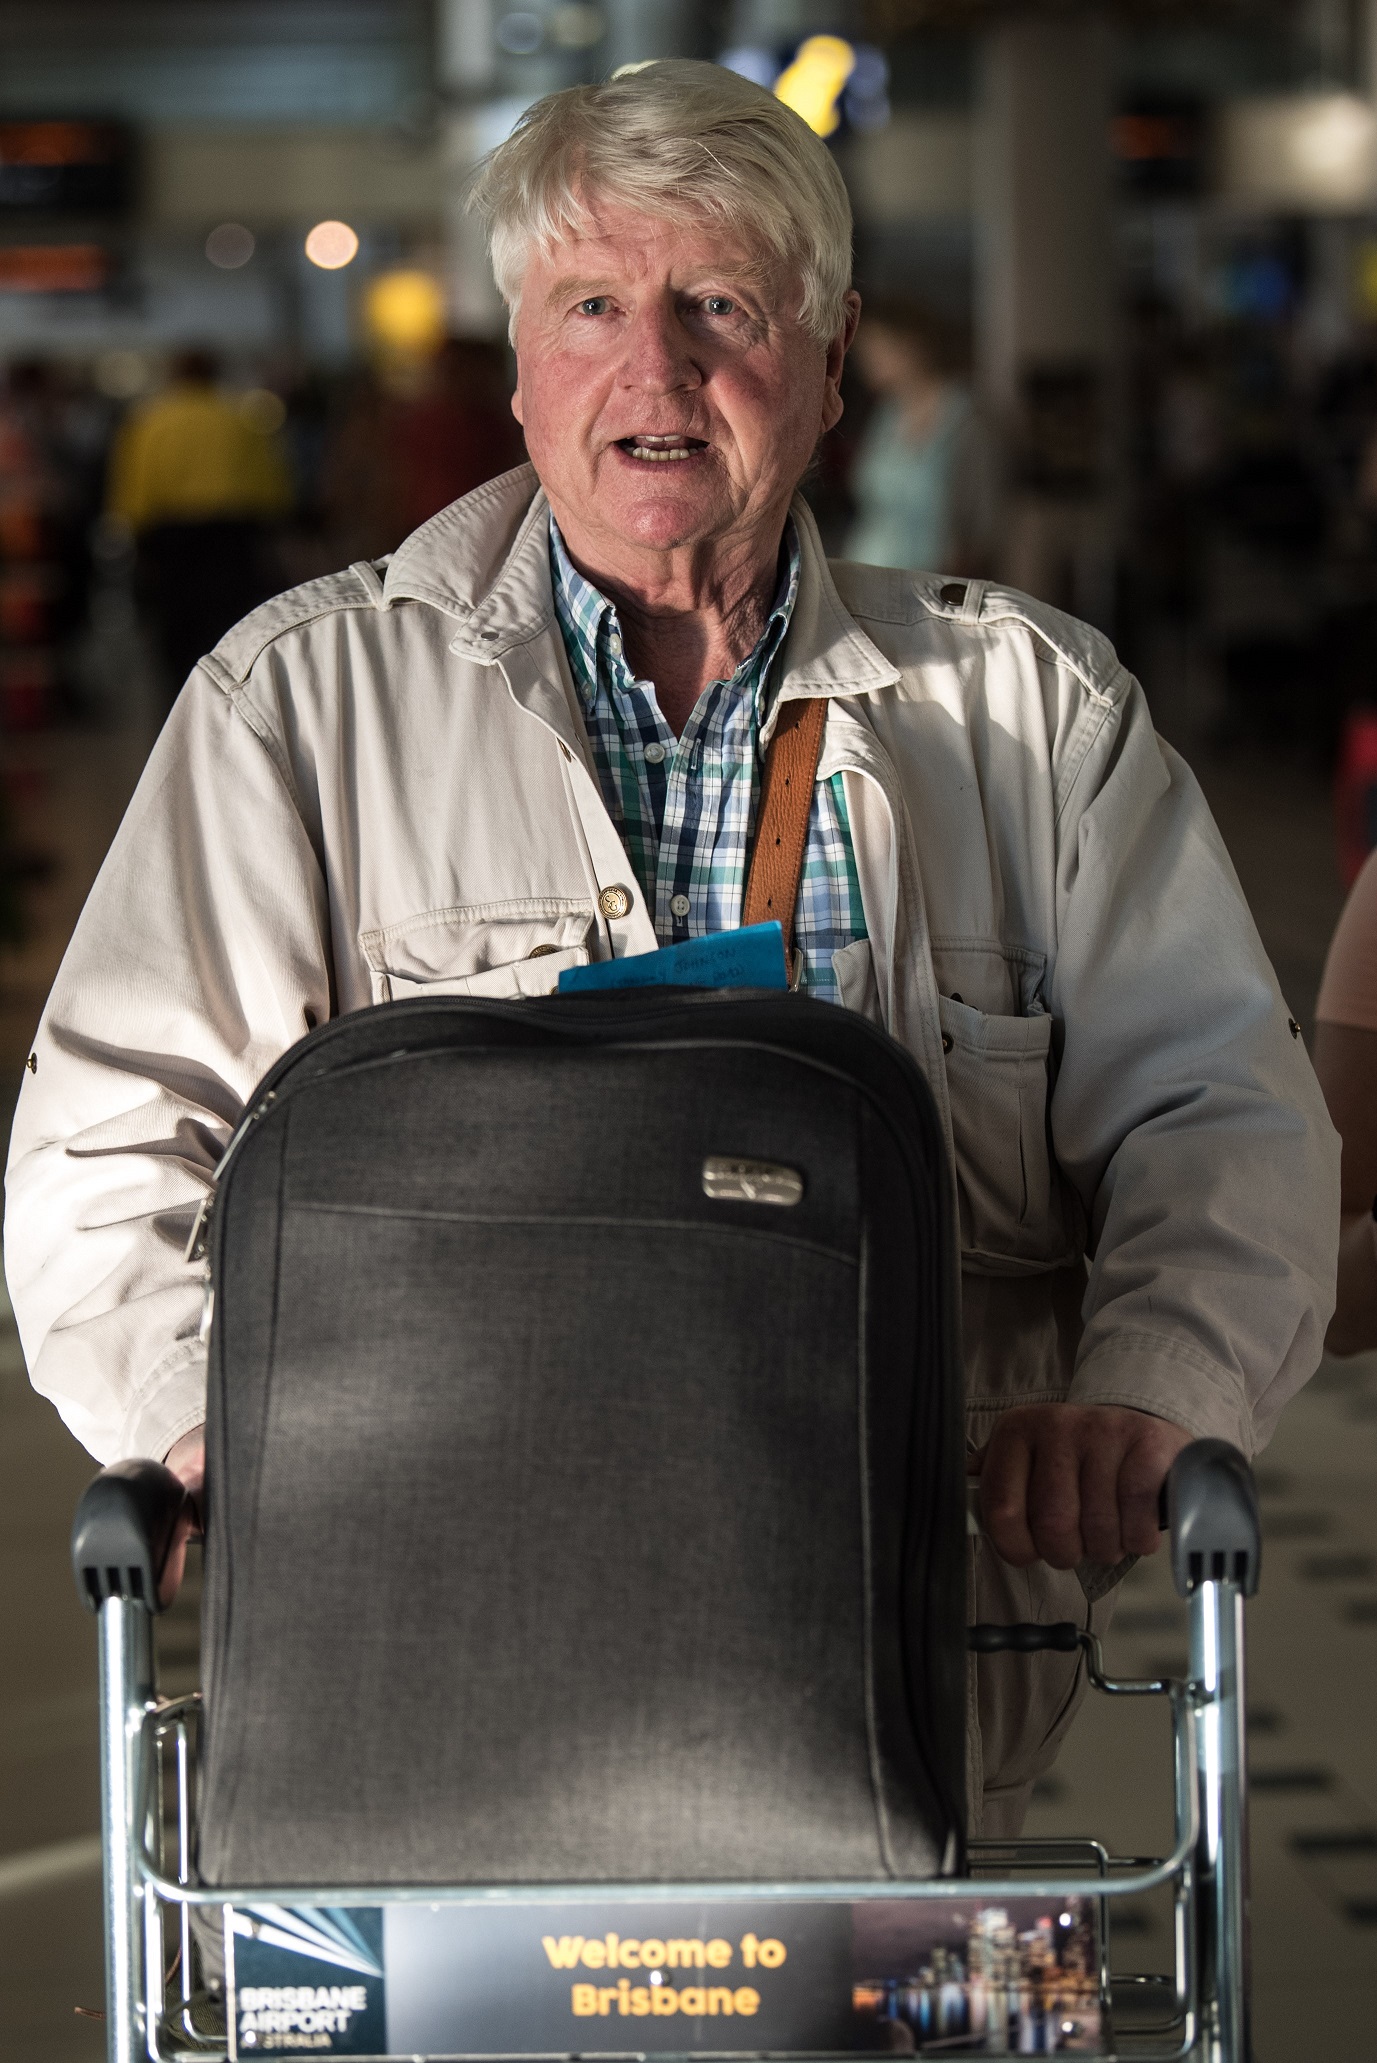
[
  {"x": 75, "y": 168},
  {"x": 53, "y": 268}
]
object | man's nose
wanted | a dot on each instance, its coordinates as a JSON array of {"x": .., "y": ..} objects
[{"x": 659, "y": 356}]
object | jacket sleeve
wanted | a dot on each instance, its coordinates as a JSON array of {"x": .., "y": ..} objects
[
  {"x": 199, "y": 954},
  {"x": 1185, "y": 1109}
]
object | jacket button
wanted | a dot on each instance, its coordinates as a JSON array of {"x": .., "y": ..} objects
[
  {"x": 953, "y": 593},
  {"x": 946, "y": 1042},
  {"x": 614, "y": 902},
  {"x": 539, "y": 952}
]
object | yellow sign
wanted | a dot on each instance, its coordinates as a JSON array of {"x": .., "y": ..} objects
[{"x": 812, "y": 85}]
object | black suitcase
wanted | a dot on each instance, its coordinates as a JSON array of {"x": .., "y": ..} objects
[{"x": 584, "y": 1453}]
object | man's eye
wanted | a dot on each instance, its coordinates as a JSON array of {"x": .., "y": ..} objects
[
  {"x": 596, "y": 304},
  {"x": 718, "y": 304}
]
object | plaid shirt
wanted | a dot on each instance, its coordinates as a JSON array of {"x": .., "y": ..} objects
[{"x": 686, "y": 807}]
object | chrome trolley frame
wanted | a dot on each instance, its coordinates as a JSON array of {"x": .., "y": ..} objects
[{"x": 119, "y": 1541}]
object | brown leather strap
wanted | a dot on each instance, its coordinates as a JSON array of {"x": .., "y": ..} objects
[{"x": 786, "y": 797}]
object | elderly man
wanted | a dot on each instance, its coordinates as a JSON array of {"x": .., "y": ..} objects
[{"x": 536, "y": 736}]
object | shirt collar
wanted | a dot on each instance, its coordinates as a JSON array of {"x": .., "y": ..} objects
[{"x": 588, "y": 620}]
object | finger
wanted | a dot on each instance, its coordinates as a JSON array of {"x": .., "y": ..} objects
[
  {"x": 174, "y": 1565},
  {"x": 1141, "y": 1475},
  {"x": 1101, "y": 1520},
  {"x": 1004, "y": 1497},
  {"x": 187, "y": 1458},
  {"x": 1054, "y": 1500}
]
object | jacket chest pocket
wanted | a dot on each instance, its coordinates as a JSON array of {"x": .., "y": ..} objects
[
  {"x": 1017, "y": 1214},
  {"x": 493, "y": 949}
]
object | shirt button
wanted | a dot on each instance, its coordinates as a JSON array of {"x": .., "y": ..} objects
[
  {"x": 614, "y": 645},
  {"x": 654, "y": 754},
  {"x": 679, "y": 904},
  {"x": 614, "y": 902}
]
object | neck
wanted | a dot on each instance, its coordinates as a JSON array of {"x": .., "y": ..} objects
[{"x": 688, "y": 615}]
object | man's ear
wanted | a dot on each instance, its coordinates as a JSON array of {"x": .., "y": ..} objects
[
  {"x": 836, "y": 357},
  {"x": 516, "y": 397}
]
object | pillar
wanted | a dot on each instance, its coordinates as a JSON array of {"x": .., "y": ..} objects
[{"x": 1045, "y": 298}]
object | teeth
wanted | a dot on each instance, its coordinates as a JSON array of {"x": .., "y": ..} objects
[{"x": 660, "y": 451}]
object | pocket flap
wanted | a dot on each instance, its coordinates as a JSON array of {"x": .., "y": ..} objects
[
  {"x": 484, "y": 949},
  {"x": 995, "y": 1038},
  {"x": 538, "y": 975}
]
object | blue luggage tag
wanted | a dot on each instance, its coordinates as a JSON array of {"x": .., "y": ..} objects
[{"x": 752, "y": 958}]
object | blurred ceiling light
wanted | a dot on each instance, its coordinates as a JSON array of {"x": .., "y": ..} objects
[
  {"x": 332, "y": 245},
  {"x": 1333, "y": 136},
  {"x": 263, "y": 410},
  {"x": 813, "y": 84},
  {"x": 753, "y": 62},
  {"x": 120, "y": 375},
  {"x": 866, "y": 100},
  {"x": 1310, "y": 152},
  {"x": 576, "y": 26},
  {"x": 230, "y": 246},
  {"x": 870, "y": 72},
  {"x": 404, "y": 311},
  {"x": 520, "y": 34}
]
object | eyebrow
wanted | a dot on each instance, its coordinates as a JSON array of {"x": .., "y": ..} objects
[{"x": 582, "y": 286}]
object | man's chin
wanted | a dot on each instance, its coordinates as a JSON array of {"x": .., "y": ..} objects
[{"x": 662, "y": 519}]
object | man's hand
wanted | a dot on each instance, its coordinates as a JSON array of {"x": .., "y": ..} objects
[
  {"x": 1066, "y": 1483},
  {"x": 187, "y": 1461}
]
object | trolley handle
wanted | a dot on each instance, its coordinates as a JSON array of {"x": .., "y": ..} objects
[
  {"x": 1212, "y": 1515},
  {"x": 123, "y": 1528},
  {"x": 1209, "y": 1506}
]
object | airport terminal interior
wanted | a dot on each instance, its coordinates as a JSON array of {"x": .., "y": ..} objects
[{"x": 1123, "y": 256}]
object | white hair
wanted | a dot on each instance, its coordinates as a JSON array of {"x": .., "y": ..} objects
[{"x": 671, "y": 139}]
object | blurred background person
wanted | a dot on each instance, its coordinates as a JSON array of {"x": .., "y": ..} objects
[
  {"x": 457, "y": 432},
  {"x": 409, "y": 437},
  {"x": 924, "y": 476},
  {"x": 197, "y": 478},
  {"x": 359, "y": 501},
  {"x": 42, "y": 547}
]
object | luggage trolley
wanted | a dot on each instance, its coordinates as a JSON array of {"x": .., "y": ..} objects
[{"x": 222, "y": 1810}]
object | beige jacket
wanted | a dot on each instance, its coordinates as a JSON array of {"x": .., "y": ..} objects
[{"x": 380, "y": 785}]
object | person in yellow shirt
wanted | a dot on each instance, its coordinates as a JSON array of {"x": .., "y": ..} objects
[{"x": 197, "y": 480}]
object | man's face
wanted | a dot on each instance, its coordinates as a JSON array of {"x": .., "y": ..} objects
[{"x": 669, "y": 395}]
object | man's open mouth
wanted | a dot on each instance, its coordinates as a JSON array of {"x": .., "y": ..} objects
[{"x": 661, "y": 450}]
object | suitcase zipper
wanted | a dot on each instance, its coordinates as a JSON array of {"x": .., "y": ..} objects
[{"x": 198, "y": 1244}]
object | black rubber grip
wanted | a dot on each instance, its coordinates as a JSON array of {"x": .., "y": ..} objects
[
  {"x": 122, "y": 1531},
  {"x": 1063, "y": 1635}
]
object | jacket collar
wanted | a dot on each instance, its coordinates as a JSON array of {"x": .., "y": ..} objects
[{"x": 485, "y": 562}]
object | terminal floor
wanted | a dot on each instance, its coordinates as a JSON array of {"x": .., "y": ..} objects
[{"x": 1313, "y": 1630}]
